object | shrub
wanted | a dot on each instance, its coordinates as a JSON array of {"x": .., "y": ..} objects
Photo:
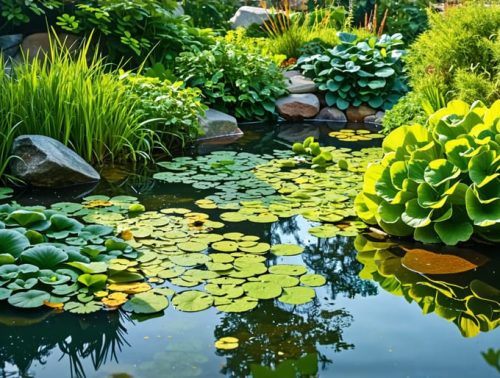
[
  {"x": 359, "y": 71},
  {"x": 210, "y": 13},
  {"x": 99, "y": 114},
  {"x": 233, "y": 80},
  {"x": 459, "y": 53},
  {"x": 408, "y": 110},
  {"x": 441, "y": 183}
]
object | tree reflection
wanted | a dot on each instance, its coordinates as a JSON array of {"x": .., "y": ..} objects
[
  {"x": 35, "y": 336},
  {"x": 334, "y": 258},
  {"x": 274, "y": 333}
]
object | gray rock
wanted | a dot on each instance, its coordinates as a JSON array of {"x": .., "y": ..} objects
[
  {"x": 380, "y": 114},
  {"x": 9, "y": 44},
  {"x": 358, "y": 114},
  {"x": 301, "y": 84},
  {"x": 292, "y": 73},
  {"x": 40, "y": 42},
  {"x": 298, "y": 106},
  {"x": 370, "y": 119},
  {"x": 331, "y": 114},
  {"x": 217, "y": 124},
  {"x": 45, "y": 162},
  {"x": 246, "y": 16}
]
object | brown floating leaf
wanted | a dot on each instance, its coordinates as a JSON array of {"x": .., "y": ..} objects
[{"x": 427, "y": 262}]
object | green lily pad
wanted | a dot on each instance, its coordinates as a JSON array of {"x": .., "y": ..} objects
[
  {"x": 225, "y": 246},
  {"x": 13, "y": 243},
  {"x": 29, "y": 299},
  {"x": 146, "y": 303},
  {"x": 192, "y": 246},
  {"x": 297, "y": 295},
  {"x": 281, "y": 279},
  {"x": 4, "y": 293},
  {"x": 82, "y": 308},
  {"x": 286, "y": 249},
  {"x": 94, "y": 281},
  {"x": 313, "y": 280},
  {"x": 44, "y": 256},
  {"x": 288, "y": 269},
  {"x": 324, "y": 231},
  {"x": 190, "y": 259},
  {"x": 239, "y": 305},
  {"x": 192, "y": 300},
  {"x": 262, "y": 290}
]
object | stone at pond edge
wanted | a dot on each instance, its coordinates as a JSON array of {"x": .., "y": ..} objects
[
  {"x": 46, "y": 162},
  {"x": 9, "y": 44},
  {"x": 331, "y": 114},
  {"x": 217, "y": 124},
  {"x": 246, "y": 16},
  {"x": 298, "y": 106},
  {"x": 300, "y": 84},
  {"x": 40, "y": 42},
  {"x": 358, "y": 114}
]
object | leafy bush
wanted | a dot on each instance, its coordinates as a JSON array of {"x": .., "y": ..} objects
[
  {"x": 459, "y": 53},
  {"x": 233, "y": 80},
  {"x": 19, "y": 12},
  {"x": 99, "y": 114},
  {"x": 359, "y": 71},
  {"x": 441, "y": 183},
  {"x": 210, "y": 13},
  {"x": 408, "y": 110}
]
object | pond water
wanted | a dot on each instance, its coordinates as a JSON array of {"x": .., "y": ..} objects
[{"x": 359, "y": 325}]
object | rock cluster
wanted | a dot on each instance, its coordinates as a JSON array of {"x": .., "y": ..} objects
[{"x": 305, "y": 102}]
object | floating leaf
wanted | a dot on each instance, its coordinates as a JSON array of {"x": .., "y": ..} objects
[
  {"x": 29, "y": 299},
  {"x": 286, "y": 249},
  {"x": 13, "y": 242},
  {"x": 297, "y": 295},
  {"x": 227, "y": 343},
  {"x": 239, "y": 305},
  {"x": 192, "y": 300},
  {"x": 146, "y": 303},
  {"x": 94, "y": 281},
  {"x": 288, "y": 269},
  {"x": 82, "y": 308},
  {"x": 130, "y": 288},
  {"x": 44, "y": 256},
  {"x": 262, "y": 290},
  {"x": 313, "y": 280}
]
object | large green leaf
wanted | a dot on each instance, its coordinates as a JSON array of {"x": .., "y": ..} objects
[
  {"x": 482, "y": 214},
  {"x": 26, "y": 218},
  {"x": 13, "y": 243},
  {"x": 146, "y": 303},
  {"x": 192, "y": 300},
  {"x": 440, "y": 171},
  {"x": 29, "y": 299},
  {"x": 93, "y": 281},
  {"x": 44, "y": 256}
]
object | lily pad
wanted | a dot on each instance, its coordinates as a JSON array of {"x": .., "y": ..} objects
[
  {"x": 262, "y": 290},
  {"x": 297, "y": 295},
  {"x": 13, "y": 243},
  {"x": 146, "y": 303},
  {"x": 288, "y": 269},
  {"x": 227, "y": 343},
  {"x": 239, "y": 305},
  {"x": 44, "y": 256},
  {"x": 192, "y": 300},
  {"x": 29, "y": 299},
  {"x": 313, "y": 280},
  {"x": 286, "y": 249}
]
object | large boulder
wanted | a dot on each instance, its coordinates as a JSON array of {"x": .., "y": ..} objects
[
  {"x": 358, "y": 114},
  {"x": 298, "y": 106},
  {"x": 9, "y": 44},
  {"x": 46, "y": 162},
  {"x": 39, "y": 43},
  {"x": 217, "y": 124},
  {"x": 300, "y": 84},
  {"x": 247, "y": 16}
]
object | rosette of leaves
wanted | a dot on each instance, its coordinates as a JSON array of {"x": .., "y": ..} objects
[
  {"x": 233, "y": 80},
  {"x": 441, "y": 183},
  {"x": 358, "y": 71}
]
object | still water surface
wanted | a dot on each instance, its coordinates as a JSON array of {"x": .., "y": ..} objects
[{"x": 354, "y": 328}]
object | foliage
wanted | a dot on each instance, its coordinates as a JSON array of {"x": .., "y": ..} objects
[
  {"x": 99, "y": 114},
  {"x": 359, "y": 71},
  {"x": 18, "y": 12},
  {"x": 472, "y": 307},
  {"x": 213, "y": 14},
  {"x": 233, "y": 80},
  {"x": 439, "y": 184},
  {"x": 459, "y": 54},
  {"x": 169, "y": 109},
  {"x": 289, "y": 32},
  {"x": 408, "y": 110},
  {"x": 136, "y": 31}
]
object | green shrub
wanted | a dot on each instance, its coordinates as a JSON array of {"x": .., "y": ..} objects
[
  {"x": 408, "y": 110},
  {"x": 233, "y": 80},
  {"x": 441, "y": 183},
  {"x": 213, "y": 14},
  {"x": 359, "y": 71},
  {"x": 459, "y": 53},
  {"x": 99, "y": 114}
]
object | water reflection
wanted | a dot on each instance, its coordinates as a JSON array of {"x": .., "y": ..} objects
[
  {"x": 273, "y": 333},
  {"x": 470, "y": 299},
  {"x": 35, "y": 336}
]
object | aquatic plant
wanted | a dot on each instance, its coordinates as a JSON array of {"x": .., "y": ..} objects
[{"x": 441, "y": 183}]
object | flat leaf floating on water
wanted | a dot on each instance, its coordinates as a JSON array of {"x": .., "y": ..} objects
[
  {"x": 227, "y": 343},
  {"x": 427, "y": 262}
]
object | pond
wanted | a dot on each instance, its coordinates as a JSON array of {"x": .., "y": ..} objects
[{"x": 360, "y": 323}]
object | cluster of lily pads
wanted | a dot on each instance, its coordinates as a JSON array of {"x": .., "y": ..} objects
[
  {"x": 351, "y": 135},
  {"x": 428, "y": 278},
  {"x": 439, "y": 183},
  {"x": 265, "y": 188},
  {"x": 48, "y": 258}
]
